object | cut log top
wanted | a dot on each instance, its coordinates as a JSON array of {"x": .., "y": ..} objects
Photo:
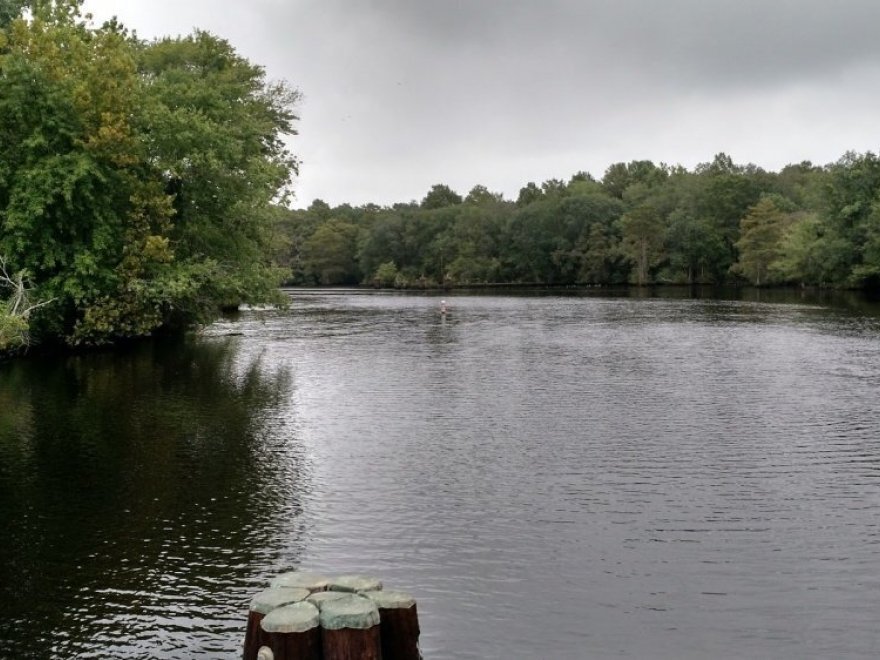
[
  {"x": 352, "y": 611},
  {"x": 355, "y": 584},
  {"x": 297, "y": 618},
  {"x": 318, "y": 599},
  {"x": 274, "y": 597},
  {"x": 390, "y": 600},
  {"x": 304, "y": 616},
  {"x": 308, "y": 581}
]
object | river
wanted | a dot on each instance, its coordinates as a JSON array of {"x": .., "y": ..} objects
[{"x": 552, "y": 476}]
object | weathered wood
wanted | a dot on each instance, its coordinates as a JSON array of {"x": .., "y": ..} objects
[
  {"x": 309, "y": 581},
  {"x": 261, "y": 604},
  {"x": 293, "y": 632},
  {"x": 351, "y": 629},
  {"x": 354, "y": 584},
  {"x": 319, "y": 598},
  {"x": 399, "y": 620}
]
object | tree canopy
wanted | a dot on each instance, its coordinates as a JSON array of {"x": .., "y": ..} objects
[
  {"x": 139, "y": 181},
  {"x": 643, "y": 223}
]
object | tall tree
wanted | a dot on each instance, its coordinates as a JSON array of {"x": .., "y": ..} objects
[
  {"x": 811, "y": 252},
  {"x": 440, "y": 195},
  {"x": 642, "y": 240},
  {"x": 760, "y": 242},
  {"x": 331, "y": 253},
  {"x": 694, "y": 246},
  {"x": 78, "y": 212},
  {"x": 137, "y": 181},
  {"x": 216, "y": 134}
]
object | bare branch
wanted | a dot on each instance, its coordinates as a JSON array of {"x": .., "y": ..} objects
[{"x": 18, "y": 303}]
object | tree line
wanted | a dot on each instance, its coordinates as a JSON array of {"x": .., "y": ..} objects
[{"x": 641, "y": 223}]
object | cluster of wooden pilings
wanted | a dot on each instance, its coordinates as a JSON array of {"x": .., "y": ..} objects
[{"x": 302, "y": 616}]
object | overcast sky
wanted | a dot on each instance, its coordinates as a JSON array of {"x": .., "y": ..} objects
[{"x": 402, "y": 94}]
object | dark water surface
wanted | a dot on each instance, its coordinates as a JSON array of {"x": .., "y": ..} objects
[{"x": 552, "y": 477}]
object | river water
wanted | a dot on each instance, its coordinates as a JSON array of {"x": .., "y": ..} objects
[{"x": 551, "y": 476}]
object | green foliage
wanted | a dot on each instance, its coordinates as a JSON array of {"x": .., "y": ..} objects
[
  {"x": 642, "y": 240},
  {"x": 481, "y": 196},
  {"x": 138, "y": 181},
  {"x": 643, "y": 224},
  {"x": 529, "y": 194},
  {"x": 695, "y": 248},
  {"x": 13, "y": 330},
  {"x": 620, "y": 176},
  {"x": 811, "y": 253},
  {"x": 386, "y": 275},
  {"x": 9, "y": 10},
  {"x": 760, "y": 243},
  {"x": 330, "y": 253},
  {"x": 440, "y": 196},
  {"x": 867, "y": 273}
]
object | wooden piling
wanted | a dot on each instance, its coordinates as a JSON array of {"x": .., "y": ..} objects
[
  {"x": 293, "y": 632},
  {"x": 354, "y": 584},
  {"x": 319, "y": 598},
  {"x": 261, "y": 605},
  {"x": 309, "y": 581},
  {"x": 399, "y": 620},
  {"x": 351, "y": 629}
]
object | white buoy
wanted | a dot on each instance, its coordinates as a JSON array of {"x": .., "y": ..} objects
[{"x": 442, "y": 306}]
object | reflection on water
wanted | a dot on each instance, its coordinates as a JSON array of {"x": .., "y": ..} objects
[
  {"x": 580, "y": 476},
  {"x": 142, "y": 497}
]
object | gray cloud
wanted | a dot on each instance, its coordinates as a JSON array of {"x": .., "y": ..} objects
[
  {"x": 401, "y": 94},
  {"x": 712, "y": 42}
]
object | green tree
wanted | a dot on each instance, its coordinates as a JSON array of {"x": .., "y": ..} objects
[
  {"x": 620, "y": 176},
  {"x": 480, "y": 196},
  {"x": 582, "y": 183},
  {"x": 852, "y": 193},
  {"x": 759, "y": 245},
  {"x": 694, "y": 247},
  {"x": 535, "y": 246},
  {"x": 600, "y": 255},
  {"x": 216, "y": 135},
  {"x": 386, "y": 275},
  {"x": 331, "y": 253},
  {"x": 9, "y": 10},
  {"x": 440, "y": 196},
  {"x": 867, "y": 273},
  {"x": 383, "y": 241},
  {"x": 529, "y": 194},
  {"x": 811, "y": 252},
  {"x": 642, "y": 240},
  {"x": 77, "y": 211},
  {"x": 137, "y": 181}
]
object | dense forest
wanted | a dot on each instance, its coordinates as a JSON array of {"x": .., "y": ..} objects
[
  {"x": 140, "y": 182},
  {"x": 642, "y": 223},
  {"x": 145, "y": 185}
]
